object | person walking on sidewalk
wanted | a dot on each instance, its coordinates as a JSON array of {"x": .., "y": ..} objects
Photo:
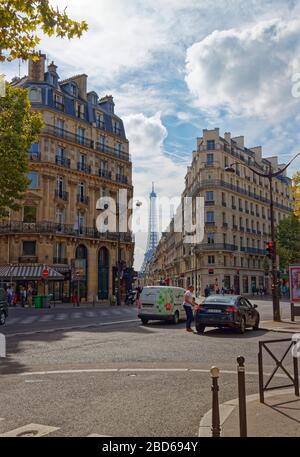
[{"x": 188, "y": 303}]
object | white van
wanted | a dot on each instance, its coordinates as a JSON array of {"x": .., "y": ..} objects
[{"x": 161, "y": 303}]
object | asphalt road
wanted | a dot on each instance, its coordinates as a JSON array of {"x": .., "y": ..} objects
[{"x": 107, "y": 374}]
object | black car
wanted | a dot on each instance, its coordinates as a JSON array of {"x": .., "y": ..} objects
[
  {"x": 233, "y": 311},
  {"x": 3, "y": 306}
]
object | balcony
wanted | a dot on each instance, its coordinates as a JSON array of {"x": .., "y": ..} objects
[
  {"x": 121, "y": 179},
  {"x": 234, "y": 227},
  {"x": 100, "y": 125},
  {"x": 246, "y": 211},
  {"x": 83, "y": 167},
  {"x": 62, "y": 161},
  {"x": 216, "y": 247},
  {"x": 84, "y": 199},
  {"x": 257, "y": 215},
  {"x": 112, "y": 151},
  {"x": 209, "y": 203},
  {"x": 34, "y": 157},
  {"x": 258, "y": 232},
  {"x": 241, "y": 209},
  {"x": 252, "y": 213},
  {"x": 253, "y": 231},
  {"x": 210, "y": 223},
  {"x": 61, "y": 194},
  {"x": 225, "y": 225},
  {"x": 224, "y": 204},
  {"x": 69, "y": 136},
  {"x": 117, "y": 131},
  {"x": 60, "y": 260},
  {"x": 209, "y": 164},
  {"x": 104, "y": 173},
  {"x": 242, "y": 229},
  {"x": 248, "y": 230},
  {"x": 45, "y": 227},
  {"x": 28, "y": 259},
  {"x": 233, "y": 206}
]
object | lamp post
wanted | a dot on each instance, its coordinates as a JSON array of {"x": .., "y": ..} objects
[{"x": 270, "y": 175}]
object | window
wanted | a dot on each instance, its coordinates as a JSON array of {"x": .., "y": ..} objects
[
  {"x": 118, "y": 149},
  {"x": 35, "y": 95},
  {"x": 80, "y": 135},
  {"x": 59, "y": 101},
  {"x": 209, "y": 159},
  {"x": 29, "y": 248},
  {"x": 73, "y": 90},
  {"x": 210, "y": 238},
  {"x": 99, "y": 120},
  {"x": 210, "y": 216},
  {"x": 60, "y": 215},
  {"x": 210, "y": 145},
  {"x": 209, "y": 196},
  {"x": 79, "y": 108},
  {"x": 116, "y": 127},
  {"x": 224, "y": 218},
  {"x": 211, "y": 259},
  {"x": 60, "y": 126},
  {"x": 59, "y": 251},
  {"x": 34, "y": 149},
  {"x": 225, "y": 263},
  {"x": 226, "y": 164},
  {"x": 34, "y": 180},
  {"x": 29, "y": 214},
  {"x": 60, "y": 184},
  {"x": 81, "y": 190}
]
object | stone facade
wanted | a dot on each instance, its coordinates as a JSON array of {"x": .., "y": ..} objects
[
  {"x": 237, "y": 219},
  {"x": 82, "y": 155}
]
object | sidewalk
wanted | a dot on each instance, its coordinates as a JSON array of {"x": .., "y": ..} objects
[
  {"x": 278, "y": 417},
  {"x": 284, "y": 326}
]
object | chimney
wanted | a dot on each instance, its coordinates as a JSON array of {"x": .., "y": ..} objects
[
  {"x": 36, "y": 68},
  {"x": 227, "y": 136}
]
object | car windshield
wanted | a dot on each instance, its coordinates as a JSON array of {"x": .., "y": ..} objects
[{"x": 220, "y": 300}]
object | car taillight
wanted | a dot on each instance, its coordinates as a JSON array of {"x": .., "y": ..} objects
[
  {"x": 199, "y": 308},
  {"x": 231, "y": 309},
  {"x": 168, "y": 306}
]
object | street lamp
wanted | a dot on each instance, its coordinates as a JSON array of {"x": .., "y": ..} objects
[{"x": 270, "y": 175}]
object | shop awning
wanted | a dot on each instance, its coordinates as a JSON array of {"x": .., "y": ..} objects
[{"x": 28, "y": 272}]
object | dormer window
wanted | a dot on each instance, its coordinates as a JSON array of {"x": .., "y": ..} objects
[
  {"x": 35, "y": 95},
  {"x": 58, "y": 102},
  {"x": 116, "y": 128},
  {"x": 73, "y": 90},
  {"x": 79, "y": 110},
  {"x": 99, "y": 120}
]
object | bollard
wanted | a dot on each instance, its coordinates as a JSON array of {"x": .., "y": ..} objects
[
  {"x": 216, "y": 429},
  {"x": 242, "y": 396},
  {"x": 292, "y": 312}
]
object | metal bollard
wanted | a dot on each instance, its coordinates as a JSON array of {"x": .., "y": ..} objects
[
  {"x": 242, "y": 396},
  {"x": 216, "y": 429},
  {"x": 292, "y": 312}
]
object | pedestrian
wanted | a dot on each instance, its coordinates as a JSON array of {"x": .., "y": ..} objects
[
  {"x": 206, "y": 291},
  {"x": 188, "y": 303},
  {"x": 29, "y": 295},
  {"x": 9, "y": 293},
  {"x": 23, "y": 294},
  {"x": 253, "y": 290}
]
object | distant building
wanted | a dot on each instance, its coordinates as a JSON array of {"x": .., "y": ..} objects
[
  {"x": 82, "y": 154},
  {"x": 152, "y": 232},
  {"x": 237, "y": 219}
]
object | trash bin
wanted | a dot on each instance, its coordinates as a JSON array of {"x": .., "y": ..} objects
[
  {"x": 37, "y": 299},
  {"x": 46, "y": 301}
]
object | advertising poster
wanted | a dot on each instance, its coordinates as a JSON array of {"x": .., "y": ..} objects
[{"x": 294, "y": 283}]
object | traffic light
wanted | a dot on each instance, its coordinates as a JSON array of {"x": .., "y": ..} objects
[{"x": 270, "y": 249}]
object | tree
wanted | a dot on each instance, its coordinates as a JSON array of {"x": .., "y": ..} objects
[
  {"x": 20, "y": 21},
  {"x": 296, "y": 192},
  {"x": 19, "y": 128},
  {"x": 288, "y": 240}
]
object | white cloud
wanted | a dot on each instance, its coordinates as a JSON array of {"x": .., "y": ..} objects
[
  {"x": 246, "y": 71},
  {"x": 146, "y": 136}
]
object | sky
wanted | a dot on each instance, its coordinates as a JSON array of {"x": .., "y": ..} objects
[{"x": 177, "y": 67}]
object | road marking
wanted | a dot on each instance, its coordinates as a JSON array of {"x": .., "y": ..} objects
[
  {"x": 104, "y": 313},
  {"x": 61, "y": 317},
  {"x": 13, "y": 320},
  {"x": 46, "y": 318},
  {"x": 95, "y": 435},
  {"x": 135, "y": 370},
  {"x": 29, "y": 320},
  {"x": 91, "y": 314},
  {"x": 115, "y": 311},
  {"x": 71, "y": 327},
  {"x": 76, "y": 315},
  {"x": 30, "y": 430}
]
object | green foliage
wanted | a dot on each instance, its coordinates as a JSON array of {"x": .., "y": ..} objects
[
  {"x": 288, "y": 241},
  {"x": 19, "y": 128},
  {"x": 296, "y": 193},
  {"x": 20, "y": 20}
]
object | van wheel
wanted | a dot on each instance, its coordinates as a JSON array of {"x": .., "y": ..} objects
[
  {"x": 2, "y": 318},
  {"x": 144, "y": 321},
  {"x": 200, "y": 329},
  {"x": 176, "y": 318}
]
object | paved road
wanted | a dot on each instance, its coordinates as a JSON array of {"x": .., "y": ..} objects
[{"x": 114, "y": 376}]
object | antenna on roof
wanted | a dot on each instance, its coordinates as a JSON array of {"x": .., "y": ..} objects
[{"x": 19, "y": 68}]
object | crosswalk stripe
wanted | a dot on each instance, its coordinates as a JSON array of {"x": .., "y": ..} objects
[
  {"x": 29, "y": 320},
  {"x": 13, "y": 320},
  {"x": 46, "y": 318},
  {"x": 30, "y": 430},
  {"x": 104, "y": 313},
  {"x": 116, "y": 312},
  {"x": 76, "y": 315},
  {"x": 61, "y": 317},
  {"x": 91, "y": 314}
]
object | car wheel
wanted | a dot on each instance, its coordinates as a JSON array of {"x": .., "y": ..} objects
[
  {"x": 200, "y": 328},
  {"x": 2, "y": 318},
  {"x": 242, "y": 327},
  {"x": 176, "y": 318},
  {"x": 144, "y": 321},
  {"x": 256, "y": 325}
]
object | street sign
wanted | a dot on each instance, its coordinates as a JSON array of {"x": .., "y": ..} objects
[{"x": 45, "y": 273}]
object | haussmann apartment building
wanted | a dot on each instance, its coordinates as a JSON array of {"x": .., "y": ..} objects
[
  {"x": 236, "y": 217},
  {"x": 81, "y": 155}
]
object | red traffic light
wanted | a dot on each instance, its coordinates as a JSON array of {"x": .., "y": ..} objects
[{"x": 270, "y": 244}]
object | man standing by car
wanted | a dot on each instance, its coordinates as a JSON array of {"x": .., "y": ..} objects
[{"x": 188, "y": 303}]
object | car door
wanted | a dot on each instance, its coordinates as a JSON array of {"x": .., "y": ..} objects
[
  {"x": 253, "y": 312},
  {"x": 245, "y": 309}
]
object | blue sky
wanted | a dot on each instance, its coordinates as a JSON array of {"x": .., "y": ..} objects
[{"x": 176, "y": 67}]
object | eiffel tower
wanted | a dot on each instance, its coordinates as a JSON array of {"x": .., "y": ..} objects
[{"x": 152, "y": 231}]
